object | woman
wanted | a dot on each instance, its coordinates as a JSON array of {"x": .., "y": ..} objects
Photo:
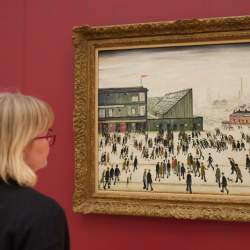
[{"x": 28, "y": 219}]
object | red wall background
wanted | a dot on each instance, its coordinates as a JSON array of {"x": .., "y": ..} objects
[{"x": 36, "y": 57}]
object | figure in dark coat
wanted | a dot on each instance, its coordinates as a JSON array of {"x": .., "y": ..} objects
[
  {"x": 117, "y": 174},
  {"x": 111, "y": 174},
  {"x": 157, "y": 171},
  {"x": 144, "y": 179},
  {"x": 198, "y": 166},
  {"x": 135, "y": 163},
  {"x": 217, "y": 175},
  {"x": 149, "y": 180},
  {"x": 247, "y": 163},
  {"x": 107, "y": 178},
  {"x": 210, "y": 161},
  {"x": 238, "y": 173},
  {"x": 232, "y": 163},
  {"x": 189, "y": 183},
  {"x": 224, "y": 184},
  {"x": 183, "y": 170},
  {"x": 168, "y": 169}
]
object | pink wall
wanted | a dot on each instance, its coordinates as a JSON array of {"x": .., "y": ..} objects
[
  {"x": 239, "y": 119},
  {"x": 36, "y": 58}
]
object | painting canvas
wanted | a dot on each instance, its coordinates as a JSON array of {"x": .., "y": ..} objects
[
  {"x": 174, "y": 119},
  {"x": 162, "y": 119}
]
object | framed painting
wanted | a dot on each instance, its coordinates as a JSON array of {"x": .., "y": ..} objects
[{"x": 162, "y": 119}]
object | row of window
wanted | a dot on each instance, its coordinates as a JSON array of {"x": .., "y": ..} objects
[
  {"x": 122, "y": 97},
  {"x": 140, "y": 97},
  {"x": 240, "y": 121},
  {"x": 122, "y": 112}
]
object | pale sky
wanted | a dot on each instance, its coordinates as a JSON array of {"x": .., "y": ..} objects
[{"x": 214, "y": 69}]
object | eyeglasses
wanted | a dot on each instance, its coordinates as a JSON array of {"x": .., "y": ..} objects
[{"x": 51, "y": 138}]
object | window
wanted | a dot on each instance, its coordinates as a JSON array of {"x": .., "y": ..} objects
[
  {"x": 135, "y": 98},
  {"x": 110, "y": 112},
  {"x": 133, "y": 111},
  {"x": 101, "y": 113},
  {"x": 142, "y": 110},
  {"x": 142, "y": 96}
]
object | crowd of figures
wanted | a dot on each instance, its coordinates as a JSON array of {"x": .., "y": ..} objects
[{"x": 132, "y": 151}]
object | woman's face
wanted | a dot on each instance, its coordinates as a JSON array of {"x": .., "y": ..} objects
[{"x": 36, "y": 153}]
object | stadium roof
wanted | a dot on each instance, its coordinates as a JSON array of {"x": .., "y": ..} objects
[{"x": 161, "y": 105}]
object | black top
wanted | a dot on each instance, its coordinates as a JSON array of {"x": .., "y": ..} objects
[
  {"x": 30, "y": 220},
  {"x": 189, "y": 179},
  {"x": 149, "y": 177},
  {"x": 224, "y": 181}
]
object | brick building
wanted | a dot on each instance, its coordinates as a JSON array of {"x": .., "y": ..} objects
[{"x": 240, "y": 117}]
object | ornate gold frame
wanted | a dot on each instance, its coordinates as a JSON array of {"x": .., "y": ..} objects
[{"x": 87, "y": 40}]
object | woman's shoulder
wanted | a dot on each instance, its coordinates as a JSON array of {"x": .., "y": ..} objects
[
  {"x": 29, "y": 200},
  {"x": 33, "y": 217},
  {"x": 41, "y": 199},
  {"x": 40, "y": 202}
]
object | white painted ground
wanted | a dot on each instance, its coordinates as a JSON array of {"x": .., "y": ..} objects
[{"x": 172, "y": 184}]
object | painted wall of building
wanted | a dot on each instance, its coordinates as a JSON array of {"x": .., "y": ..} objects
[
  {"x": 239, "y": 118},
  {"x": 184, "y": 108},
  {"x": 175, "y": 124}
]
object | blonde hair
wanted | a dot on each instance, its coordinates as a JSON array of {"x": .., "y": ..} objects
[{"x": 22, "y": 118}]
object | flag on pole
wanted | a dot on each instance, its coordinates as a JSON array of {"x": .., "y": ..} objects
[{"x": 142, "y": 76}]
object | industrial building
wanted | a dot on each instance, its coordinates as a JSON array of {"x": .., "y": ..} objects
[
  {"x": 173, "y": 111},
  {"x": 122, "y": 109},
  {"x": 240, "y": 117},
  {"x": 130, "y": 109}
]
